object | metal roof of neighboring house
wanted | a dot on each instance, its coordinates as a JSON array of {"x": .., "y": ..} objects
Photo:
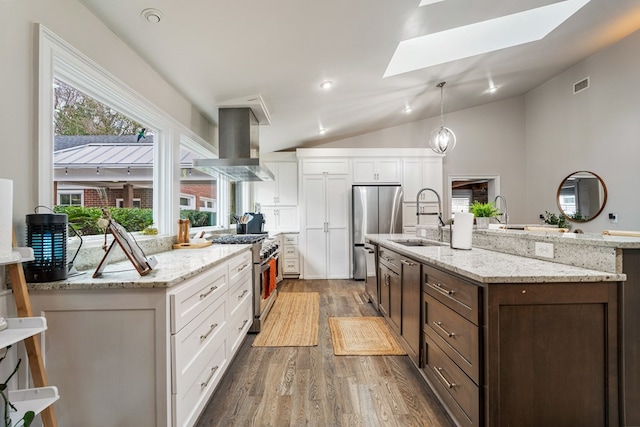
[
  {"x": 114, "y": 154},
  {"x": 62, "y": 142}
]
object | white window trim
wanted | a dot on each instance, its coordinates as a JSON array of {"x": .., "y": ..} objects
[
  {"x": 59, "y": 59},
  {"x": 60, "y": 192},
  {"x": 214, "y": 204},
  {"x": 192, "y": 201}
]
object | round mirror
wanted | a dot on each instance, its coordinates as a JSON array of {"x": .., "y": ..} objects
[{"x": 582, "y": 196}]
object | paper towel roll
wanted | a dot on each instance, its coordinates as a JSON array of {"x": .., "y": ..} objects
[
  {"x": 462, "y": 231},
  {"x": 6, "y": 217}
]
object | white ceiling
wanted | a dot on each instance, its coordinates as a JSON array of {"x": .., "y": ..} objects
[{"x": 215, "y": 51}]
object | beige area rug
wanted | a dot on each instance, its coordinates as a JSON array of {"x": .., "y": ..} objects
[
  {"x": 292, "y": 322},
  {"x": 363, "y": 336}
]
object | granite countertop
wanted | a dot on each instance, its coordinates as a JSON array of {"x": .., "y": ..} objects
[
  {"x": 488, "y": 266},
  {"x": 173, "y": 267}
]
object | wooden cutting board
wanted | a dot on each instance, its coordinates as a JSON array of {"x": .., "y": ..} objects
[{"x": 191, "y": 245}]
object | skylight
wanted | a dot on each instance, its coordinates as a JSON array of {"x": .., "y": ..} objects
[{"x": 480, "y": 37}]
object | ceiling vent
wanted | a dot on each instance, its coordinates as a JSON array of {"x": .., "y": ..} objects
[{"x": 581, "y": 85}]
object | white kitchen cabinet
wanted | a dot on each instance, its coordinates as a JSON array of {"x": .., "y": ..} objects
[
  {"x": 326, "y": 228},
  {"x": 161, "y": 352},
  {"x": 283, "y": 190},
  {"x": 280, "y": 218},
  {"x": 291, "y": 256},
  {"x": 378, "y": 171},
  {"x": 418, "y": 173}
]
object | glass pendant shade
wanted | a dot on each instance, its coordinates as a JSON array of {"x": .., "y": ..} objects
[{"x": 442, "y": 139}]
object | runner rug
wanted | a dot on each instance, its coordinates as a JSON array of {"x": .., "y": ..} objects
[
  {"x": 292, "y": 322},
  {"x": 363, "y": 336}
]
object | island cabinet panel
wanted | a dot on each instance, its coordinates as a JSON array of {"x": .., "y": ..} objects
[
  {"x": 630, "y": 340},
  {"x": 551, "y": 352}
]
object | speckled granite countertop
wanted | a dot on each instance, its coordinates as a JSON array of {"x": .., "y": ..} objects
[
  {"x": 487, "y": 266},
  {"x": 173, "y": 267}
]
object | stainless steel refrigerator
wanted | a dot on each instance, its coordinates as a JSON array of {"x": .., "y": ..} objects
[{"x": 377, "y": 209}]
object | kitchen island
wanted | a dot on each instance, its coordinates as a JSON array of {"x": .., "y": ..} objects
[
  {"x": 505, "y": 339},
  {"x": 126, "y": 349}
]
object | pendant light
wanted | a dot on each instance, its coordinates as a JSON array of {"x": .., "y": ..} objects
[{"x": 442, "y": 139}]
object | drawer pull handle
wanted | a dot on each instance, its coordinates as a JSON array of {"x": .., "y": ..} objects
[
  {"x": 440, "y": 288},
  {"x": 243, "y": 294},
  {"x": 406, "y": 262},
  {"x": 243, "y": 267},
  {"x": 206, "y": 294},
  {"x": 204, "y": 337},
  {"x": 438, "y": 372},
  {"x": 243, "y": 324},
  {"x": 206, "y": 383},
  {"x": 439, "y": 325}
]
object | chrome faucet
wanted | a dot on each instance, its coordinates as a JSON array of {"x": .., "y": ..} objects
[
  {"x": 418, "y": 213},
  {"x": 505, "y": 215}
]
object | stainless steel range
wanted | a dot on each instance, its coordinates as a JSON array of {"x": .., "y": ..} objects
[{"x": 265, "y": 255}]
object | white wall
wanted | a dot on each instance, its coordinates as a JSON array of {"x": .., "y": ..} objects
[
  {"x": 597, "y": 130},
  {"x": 18, "y": 88},
  {"x": 491, "y": 141}
]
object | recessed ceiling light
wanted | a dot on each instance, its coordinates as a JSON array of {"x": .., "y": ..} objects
[
  {"x": 326, "y": 84},
  {"x": 152, "y": 16},
  {"x": 322, "y": 131},
  {"x": 407, "y": 109},
  {"x": 480, "y": 37},
  {"x": 427, "y": 2},
  {"x": 493, "y": 89}
]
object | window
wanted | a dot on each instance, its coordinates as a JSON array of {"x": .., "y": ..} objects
[
  {"x": 58, "y": 60},
  {"x": 208, "y": 205},
  {"x": 120, "y": 203},
  {"x": 187, "y": 201},
  {"x": 70, "y": 198}
]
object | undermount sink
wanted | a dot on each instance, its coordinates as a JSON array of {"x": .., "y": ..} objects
[{"x": 418, "y": 243}]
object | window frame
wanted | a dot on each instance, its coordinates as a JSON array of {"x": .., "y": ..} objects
[{"x": 58, "y": 59}]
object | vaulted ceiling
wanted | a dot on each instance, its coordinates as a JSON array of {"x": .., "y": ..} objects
[{"x": 221, "y": 52}]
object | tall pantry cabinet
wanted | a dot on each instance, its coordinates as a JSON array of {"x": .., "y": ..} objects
[
  {"x": 278, "y": 199},
  {"x": 325, "y": 222}
]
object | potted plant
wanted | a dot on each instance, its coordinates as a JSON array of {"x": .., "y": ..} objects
[{"x": 483, "y": 213}]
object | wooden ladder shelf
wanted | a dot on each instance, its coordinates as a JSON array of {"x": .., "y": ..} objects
[{"x": 32, "y": 343}]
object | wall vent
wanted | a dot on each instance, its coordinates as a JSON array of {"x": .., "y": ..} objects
[{"x": 581, "y": 85}]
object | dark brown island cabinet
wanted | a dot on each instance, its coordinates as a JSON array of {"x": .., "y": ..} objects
[{"x": 512, "y": 354}]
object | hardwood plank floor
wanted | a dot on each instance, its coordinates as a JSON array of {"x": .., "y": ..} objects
[{"x": 309, "y": 386}]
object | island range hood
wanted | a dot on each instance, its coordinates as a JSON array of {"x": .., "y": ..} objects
[{"x": 238, "y": 149}]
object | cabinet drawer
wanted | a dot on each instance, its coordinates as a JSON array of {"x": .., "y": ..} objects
[
  {"x": 239, "y": 325},
  {"x": 191, "y": 298},
  {"x": 455, "y": 389},
  {"x": 193, "y": 345},
  {"x": 291, "y": 252},
  {"x": 193, "y": 396},
  {"x": 456, "y": 336},
  {"x": 291, "y": 266},
  {"x": 461, "y": 296},
  {"x": 390, "y": 258},
  {"x": 239, "y": 266},
  {"x": 241, "y": 291},
  {"x": 290, "y": 239}
]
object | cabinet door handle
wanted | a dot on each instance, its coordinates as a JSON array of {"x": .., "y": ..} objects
[
  {"x": 204, "y": 337},
  {"x": 243, "y": 323},
  {"x": 439, "y": 326},
  {"x": 438, "y": 287},
  {"x": 243, "y": 267},
  {"x": 243, "y": 294},
  {"x": 438, "y": 371},
  {"x": 407, "y": 262},
  {"x": 206, "y": 383},
  {"x": 206, "y": 294}
]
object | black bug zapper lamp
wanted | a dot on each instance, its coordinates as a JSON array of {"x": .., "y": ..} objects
[{"x": 47, "y": 235}]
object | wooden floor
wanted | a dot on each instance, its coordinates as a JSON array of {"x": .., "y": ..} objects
[{"x": 309, "y": 386}]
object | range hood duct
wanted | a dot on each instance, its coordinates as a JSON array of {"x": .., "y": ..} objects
[{"x": 238, "y": 148}]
